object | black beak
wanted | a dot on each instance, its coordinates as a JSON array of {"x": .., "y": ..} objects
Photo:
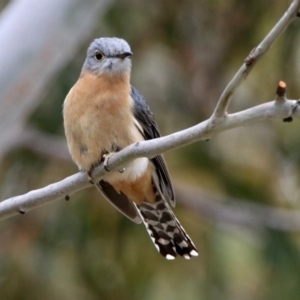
[{"x": 124, "y": 55}]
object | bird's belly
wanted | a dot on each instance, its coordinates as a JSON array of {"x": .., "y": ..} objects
[
  {"x": 130, "y": 173},
  {"x": 99, "y": 133}
]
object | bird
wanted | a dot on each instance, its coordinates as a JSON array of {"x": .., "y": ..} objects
[{"x": 103, "y": 113}]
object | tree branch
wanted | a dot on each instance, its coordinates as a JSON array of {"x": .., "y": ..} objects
[
  {"x": 254, "y": 56},
  {"x": 219, "y": 122},
  {"x": 45, "y": 144},
  {"x": 237, "y": 212},
  {"x": 279, "y": 108}
]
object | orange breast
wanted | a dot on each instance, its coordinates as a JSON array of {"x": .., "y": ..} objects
[{"x": 98, "y": 115}]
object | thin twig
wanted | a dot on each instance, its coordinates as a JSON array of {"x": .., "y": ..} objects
[
  {"x": 237, "y": 212},
  {"x": 279, "y": 108},
  {"x": 253, "y": 57},
  {"x": 151, "y": 148}
]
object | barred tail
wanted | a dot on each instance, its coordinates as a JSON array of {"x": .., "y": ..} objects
[{"x": 164, "y": 229}]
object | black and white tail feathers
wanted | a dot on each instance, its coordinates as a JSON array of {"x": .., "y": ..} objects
[{"x": 164, "y": 229}]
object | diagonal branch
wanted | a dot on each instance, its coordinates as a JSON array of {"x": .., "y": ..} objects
[
  {"x": 279, "y": 108},
  {"x": 253, "y": 57},
  {"x": 237, "y": 212},
  {"x": 220, "y": 121}
]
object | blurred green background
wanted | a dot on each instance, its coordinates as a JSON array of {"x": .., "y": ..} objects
[{"x": 185, "y": 52}]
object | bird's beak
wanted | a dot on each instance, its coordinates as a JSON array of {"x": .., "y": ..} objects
[{"x": 124, "y": 55}]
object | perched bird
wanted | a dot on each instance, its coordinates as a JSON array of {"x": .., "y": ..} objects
[{"x": 103, "y": 114}]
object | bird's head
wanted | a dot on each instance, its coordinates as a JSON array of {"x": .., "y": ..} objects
[{"x": 108, "y": 56}]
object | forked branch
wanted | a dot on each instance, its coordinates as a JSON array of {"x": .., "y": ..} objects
[{"x": 280, "y": 107}]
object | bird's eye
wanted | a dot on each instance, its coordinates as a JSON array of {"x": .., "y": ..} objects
[{"x": 98, "y": 55}]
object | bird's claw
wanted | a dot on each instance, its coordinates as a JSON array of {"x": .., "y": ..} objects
[{"x": 106, "y": 158}]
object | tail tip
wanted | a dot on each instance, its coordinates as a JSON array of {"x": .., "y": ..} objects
[
  {"x": 194, "y": 253},
  {"x": 170, "y": 257}
]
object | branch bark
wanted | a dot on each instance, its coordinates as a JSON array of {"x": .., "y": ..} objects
[
  {"x": 219, "y": 122},
  {"x": 236, "y": 212},
  {"x": 254, "y": 56},
  {"x": 21, "y": 204}
]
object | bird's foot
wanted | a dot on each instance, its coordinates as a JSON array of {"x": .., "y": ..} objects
[
  {"x": 106, "y": 159},
  {"x": 89, "y": 176}
]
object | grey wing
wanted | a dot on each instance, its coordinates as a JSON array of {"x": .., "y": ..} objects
[
  {"x": 145, "y": 118},
  {"x": 119, "y": 201}
]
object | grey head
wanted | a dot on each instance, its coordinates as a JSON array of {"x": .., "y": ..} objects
[{"x": 109, "y": 56}]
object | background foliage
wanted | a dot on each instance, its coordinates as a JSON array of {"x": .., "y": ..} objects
[{"x": 185, "y": 52}]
